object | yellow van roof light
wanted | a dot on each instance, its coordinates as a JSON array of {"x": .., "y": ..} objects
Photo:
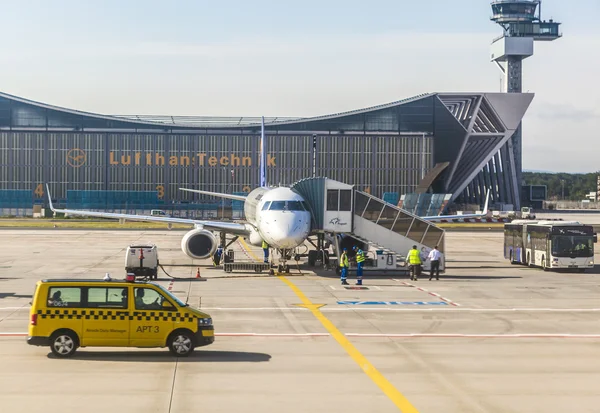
[
  {"x": 130, "y": 277},
  {"x": 107, "y": 277}
]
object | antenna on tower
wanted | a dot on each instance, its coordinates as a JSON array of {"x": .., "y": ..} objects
[{"x": 522, "y": 26}]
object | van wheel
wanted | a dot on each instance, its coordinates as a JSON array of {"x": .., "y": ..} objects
[
  {"x": 181, "y": 343},
  {"x": 64, "y": 343}
]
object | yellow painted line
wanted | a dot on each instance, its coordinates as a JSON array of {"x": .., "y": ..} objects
[
  {"x": 247, "y": 248},
  {"x": 390, "y": 391}
]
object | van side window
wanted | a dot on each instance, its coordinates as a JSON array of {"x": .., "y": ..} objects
[
  {"x": 107, "y": 297},
  {"x": 64, "y": 297},
  {"x": 149, "y": 299}
]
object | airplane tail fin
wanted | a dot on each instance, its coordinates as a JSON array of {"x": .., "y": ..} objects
[
  {"x": 487, "y": 200},
  {"x": 49, "y": 198},
  {"x": 263, "y": 154}
]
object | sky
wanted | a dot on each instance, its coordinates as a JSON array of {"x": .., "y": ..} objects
[{"x": 308, "y": 58}]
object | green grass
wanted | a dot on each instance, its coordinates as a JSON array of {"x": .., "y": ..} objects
[{"x": 85, "y": 224}]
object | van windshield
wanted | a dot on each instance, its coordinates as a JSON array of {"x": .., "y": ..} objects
[{"x": 173, "y": 297}]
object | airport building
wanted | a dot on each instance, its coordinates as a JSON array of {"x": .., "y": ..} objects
[{"x": 451, "y": 143}]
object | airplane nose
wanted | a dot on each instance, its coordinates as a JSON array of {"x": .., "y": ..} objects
[{"x": 287, "y": 231}]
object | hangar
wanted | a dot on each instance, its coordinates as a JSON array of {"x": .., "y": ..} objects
[{"x": 454, "y": 143}]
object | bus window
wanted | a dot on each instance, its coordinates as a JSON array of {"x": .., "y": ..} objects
[{"x": 572, "y": 246}]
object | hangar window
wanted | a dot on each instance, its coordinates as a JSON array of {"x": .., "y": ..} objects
[{"x": 64, "y": 297}]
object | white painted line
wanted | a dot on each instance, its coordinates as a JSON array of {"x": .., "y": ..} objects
[
  {"x": 388, "y": 308},
  {"x": 431, "y": 293},
  {"x": 457, "y": 335},
  {"x": 390, "y": 335}
]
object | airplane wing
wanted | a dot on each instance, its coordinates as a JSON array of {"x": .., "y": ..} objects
[
  {"x": 229, "y": 227},
  {"x": 448, "y": 218},
  {"x": 217, "y": 194}
]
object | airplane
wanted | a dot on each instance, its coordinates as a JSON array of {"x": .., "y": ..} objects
[
  {"x": 277, "y": 215},
  {"x": 454, "y": 218}
]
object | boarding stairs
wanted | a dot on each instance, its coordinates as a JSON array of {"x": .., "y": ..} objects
[{"x": 338, "y": 208}]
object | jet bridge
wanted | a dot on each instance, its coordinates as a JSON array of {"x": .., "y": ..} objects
[{"x": 343, "y": 214}]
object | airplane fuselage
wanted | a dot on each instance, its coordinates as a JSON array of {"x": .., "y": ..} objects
[{"x": 281, "y": 217}]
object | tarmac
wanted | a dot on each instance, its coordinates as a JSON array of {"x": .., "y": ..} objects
[{"x": 486, "y": 337}]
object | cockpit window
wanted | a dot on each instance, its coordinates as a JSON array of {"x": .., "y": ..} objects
[
  {"x": 266, "y": 205},
  {"x": 295, "y": 206},
  {"x": 277, "y": 206}
]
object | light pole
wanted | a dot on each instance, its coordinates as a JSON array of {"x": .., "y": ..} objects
[{"x": 562, "y": 181}]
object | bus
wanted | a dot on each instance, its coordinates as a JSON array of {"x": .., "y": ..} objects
[{"x": 550, "y": 244}]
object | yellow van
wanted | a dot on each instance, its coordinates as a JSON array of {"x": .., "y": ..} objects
[{"x": 67, "y": 314}]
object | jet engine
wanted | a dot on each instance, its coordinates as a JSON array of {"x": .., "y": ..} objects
[{"x": 199, "y": 244}]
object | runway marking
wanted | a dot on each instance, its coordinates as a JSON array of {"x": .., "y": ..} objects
[
  {"x": 390, "y": 391},
  {"x": 412, "y": 309},
  {"x": 384, "y": 335},
  {"x": 430, "y": 293},
  {"x": 392, "y": 302}
]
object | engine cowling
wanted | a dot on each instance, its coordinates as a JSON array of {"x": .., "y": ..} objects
[
  {"x": 255, "y": 238},
  {"x": 199, "y": 244}
]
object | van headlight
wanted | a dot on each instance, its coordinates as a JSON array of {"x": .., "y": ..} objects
[
  {"x": 205, "y": 321},
  {"x": 592, "y": 262}
]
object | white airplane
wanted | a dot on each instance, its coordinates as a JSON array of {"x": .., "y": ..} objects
[
  {"x": 277, "y": 215},
  {"x": 449, "y": 218}
]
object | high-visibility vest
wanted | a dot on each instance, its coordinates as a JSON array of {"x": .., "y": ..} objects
[
  {"x": 344, "y": 260},
  {"x": 360, "y": 256},
  {"x": 414, "y": 257},
  {"x": 265, "y": 245}
]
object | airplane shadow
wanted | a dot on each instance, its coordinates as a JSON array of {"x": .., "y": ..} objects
[
  {"x": 159, "y": 356},
  {"x": 14, "y": 295}
]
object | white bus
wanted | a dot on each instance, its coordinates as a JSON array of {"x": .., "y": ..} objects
[{"x": 550, "y": 244}]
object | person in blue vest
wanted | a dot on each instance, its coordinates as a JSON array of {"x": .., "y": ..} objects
[
  {"x": 265, "y": 248},
  {"x": 360, "y": 261},
  {"x": 344, "y": 264},
  {"x": 218, "y": 255}
]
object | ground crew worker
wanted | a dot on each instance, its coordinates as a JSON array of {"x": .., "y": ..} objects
[
  {"x": 344, "y": 264},
  {"x": 265, "y": 248},
  {"x": 360, "y": 260},
  {"x": 217, "y": 256},
  {"x": 414, "y": 261},
  {"x": 434, "y": 256}
]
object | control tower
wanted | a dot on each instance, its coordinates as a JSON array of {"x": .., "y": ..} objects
[{"x": 522, "y": 23}]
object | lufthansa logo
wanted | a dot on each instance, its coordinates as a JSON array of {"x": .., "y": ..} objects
[
  {"x": 337, "y": 221},
  {"x": 76, "y": 157}
]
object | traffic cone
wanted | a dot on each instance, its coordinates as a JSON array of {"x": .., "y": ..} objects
[{"x": 198, "y": 273}]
